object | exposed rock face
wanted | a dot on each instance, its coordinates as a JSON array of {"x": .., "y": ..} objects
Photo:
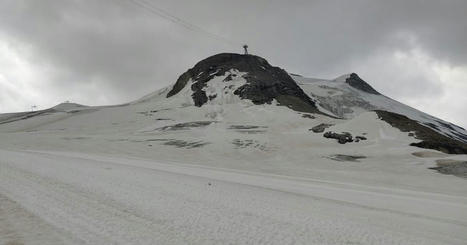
[
  {"x": 342, "y": 138},
  {"x": 321, "y": 127},
  {"x": 430, "y": 139},
  {"x": 264, "y": 82},
  {"x": 355, "y": 81},
  {"x": 358, "y": 138}
]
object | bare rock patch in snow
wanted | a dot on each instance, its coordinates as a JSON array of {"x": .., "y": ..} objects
[
  {"x": 346, "y": 158},
  {"x": 342, "y": 138},
  {"x": 179, "y": 143},
  {"x": 185, "y": 144},
  {"x": 430, "y": 138},
  {"x": 308, "y": 116},
  {"x": 185, "y": 126},
  {"x": 321, "y": 127},
  {"x": 428, "y": 154},
  {"x": 451, "y": 167},
  {"x": 248, "y": 129},
  {"x": 248, "y": 143},
  {"x": 241, "y": 127}
]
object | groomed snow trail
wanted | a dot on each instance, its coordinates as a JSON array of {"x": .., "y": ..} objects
[{"x": 71, "y": 198}]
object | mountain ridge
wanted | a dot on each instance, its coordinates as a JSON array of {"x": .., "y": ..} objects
[{"x": 228, "y": 86}]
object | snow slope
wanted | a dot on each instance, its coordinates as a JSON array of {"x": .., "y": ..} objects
[{"x": 92, "y": 199}]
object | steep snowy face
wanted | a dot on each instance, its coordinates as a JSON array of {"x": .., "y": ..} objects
[
  {"x": 345, "y": 96},
  {"x": 227, "y": 78},
  {"x": 348, "y": 96}
]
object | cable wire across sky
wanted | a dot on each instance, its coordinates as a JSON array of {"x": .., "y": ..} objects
[{"x": 151, "y": 8}]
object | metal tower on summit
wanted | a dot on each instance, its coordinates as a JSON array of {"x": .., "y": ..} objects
[{"x": 245, "y": 47}]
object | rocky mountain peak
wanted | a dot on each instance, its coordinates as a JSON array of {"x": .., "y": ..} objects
[
  {"x": 264, "y": 83},
  {"x": 355, "y": 81}
]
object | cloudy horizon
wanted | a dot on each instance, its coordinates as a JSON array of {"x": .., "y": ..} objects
[{"x": 112, "y": 52}]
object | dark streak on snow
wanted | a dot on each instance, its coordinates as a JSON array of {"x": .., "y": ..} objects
[
  {"x": 451, "y": 167},
  {"x": 185, "y": 126},
  {"x": 346, "y": 158}
]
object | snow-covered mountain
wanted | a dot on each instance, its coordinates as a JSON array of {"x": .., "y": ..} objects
[
  {"x": 235, "y": 145},
  {"x": 245, "y": 95},
  {"x": 240, "y": 108},
  {"x": 226, "y": 79}
]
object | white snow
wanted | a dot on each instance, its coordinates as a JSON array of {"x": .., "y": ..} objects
[{"x": 93, "y": 199}]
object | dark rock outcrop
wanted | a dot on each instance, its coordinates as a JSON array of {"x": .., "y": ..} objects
[
  {"x": 358, "y": 138},
  {"x": 355, "y": 81},
  {"x": 321, "y": 127},
  {"x": 430, "y": 139},
  {"x": 264, "y": 82},
  {"x": 308, "y": 116},
  {"x": 342, "y": 138}
]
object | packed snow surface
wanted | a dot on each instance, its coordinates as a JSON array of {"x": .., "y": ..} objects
[{"x": 72, "y": 198}]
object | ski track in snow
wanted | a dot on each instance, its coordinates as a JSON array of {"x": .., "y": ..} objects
[{"x": 73, "y": 198}]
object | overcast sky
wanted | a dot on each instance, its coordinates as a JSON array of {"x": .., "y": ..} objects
[{"x": 98, "y": 52}]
